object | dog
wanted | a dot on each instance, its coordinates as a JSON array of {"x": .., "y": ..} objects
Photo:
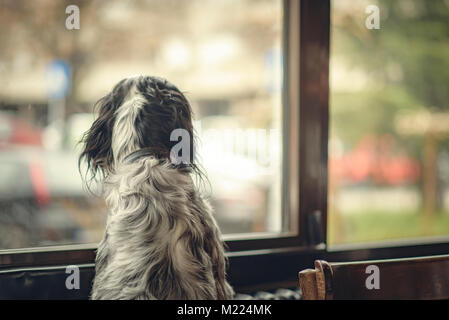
[{"x": 161, "y": 239}]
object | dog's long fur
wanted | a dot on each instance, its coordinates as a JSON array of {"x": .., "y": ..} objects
[{"x": 161, "y": 240}]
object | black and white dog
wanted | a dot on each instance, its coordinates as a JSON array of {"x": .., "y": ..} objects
[{"x": 161, "y": 240}]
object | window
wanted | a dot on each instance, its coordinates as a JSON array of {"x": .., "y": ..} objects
[
  {"x": 389, "y": 122},
  {"x": 227, "y": 56},
  {"x": 317, "y": 130}
]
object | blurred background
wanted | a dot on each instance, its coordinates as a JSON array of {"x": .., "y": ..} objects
[
  {"x": 389, "y": 111},
  {"x": 226, "y": 55},
  {"x": 389, "y": 121}
]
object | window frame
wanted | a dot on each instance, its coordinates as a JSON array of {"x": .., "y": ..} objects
[{"x": 264, "y": 262}]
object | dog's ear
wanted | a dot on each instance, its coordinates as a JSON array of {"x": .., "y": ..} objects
[{"x": 97, "y": 151}]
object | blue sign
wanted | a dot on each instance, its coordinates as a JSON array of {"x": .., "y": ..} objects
[
  {"x": 58, "y": 79},
  {"x": 273, "y": 61}
]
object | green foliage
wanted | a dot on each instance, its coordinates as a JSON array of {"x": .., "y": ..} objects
[
  {"x": 406, "y": 63},
  {"x": 384, "y": 225}
]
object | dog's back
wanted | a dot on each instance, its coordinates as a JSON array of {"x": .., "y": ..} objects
[{"x": 161, "y": 241}]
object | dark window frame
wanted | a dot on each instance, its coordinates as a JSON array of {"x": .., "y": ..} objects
[{"x": 270, "y": 262}]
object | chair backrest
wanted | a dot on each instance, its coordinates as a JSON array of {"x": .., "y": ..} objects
[{"x": 412, "y": 278}]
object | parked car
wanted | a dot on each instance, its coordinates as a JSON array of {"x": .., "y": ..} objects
[{"x": 42, "y": 200}]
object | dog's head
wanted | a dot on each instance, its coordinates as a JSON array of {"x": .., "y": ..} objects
[{"x": 140, "y": 113}]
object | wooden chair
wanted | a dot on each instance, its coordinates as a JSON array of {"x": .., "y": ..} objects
[{"x": 412, "y": 278}]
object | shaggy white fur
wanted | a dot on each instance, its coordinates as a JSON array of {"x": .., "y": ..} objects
[{"x": 161, "y": 240}]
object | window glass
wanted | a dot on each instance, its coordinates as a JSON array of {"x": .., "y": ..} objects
[
  {"x": 389, "y": 120},
  {"x": 226, "y": 55}
]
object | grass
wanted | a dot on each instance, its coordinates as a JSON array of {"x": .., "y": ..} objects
[{"x": 373, "y": 226}]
